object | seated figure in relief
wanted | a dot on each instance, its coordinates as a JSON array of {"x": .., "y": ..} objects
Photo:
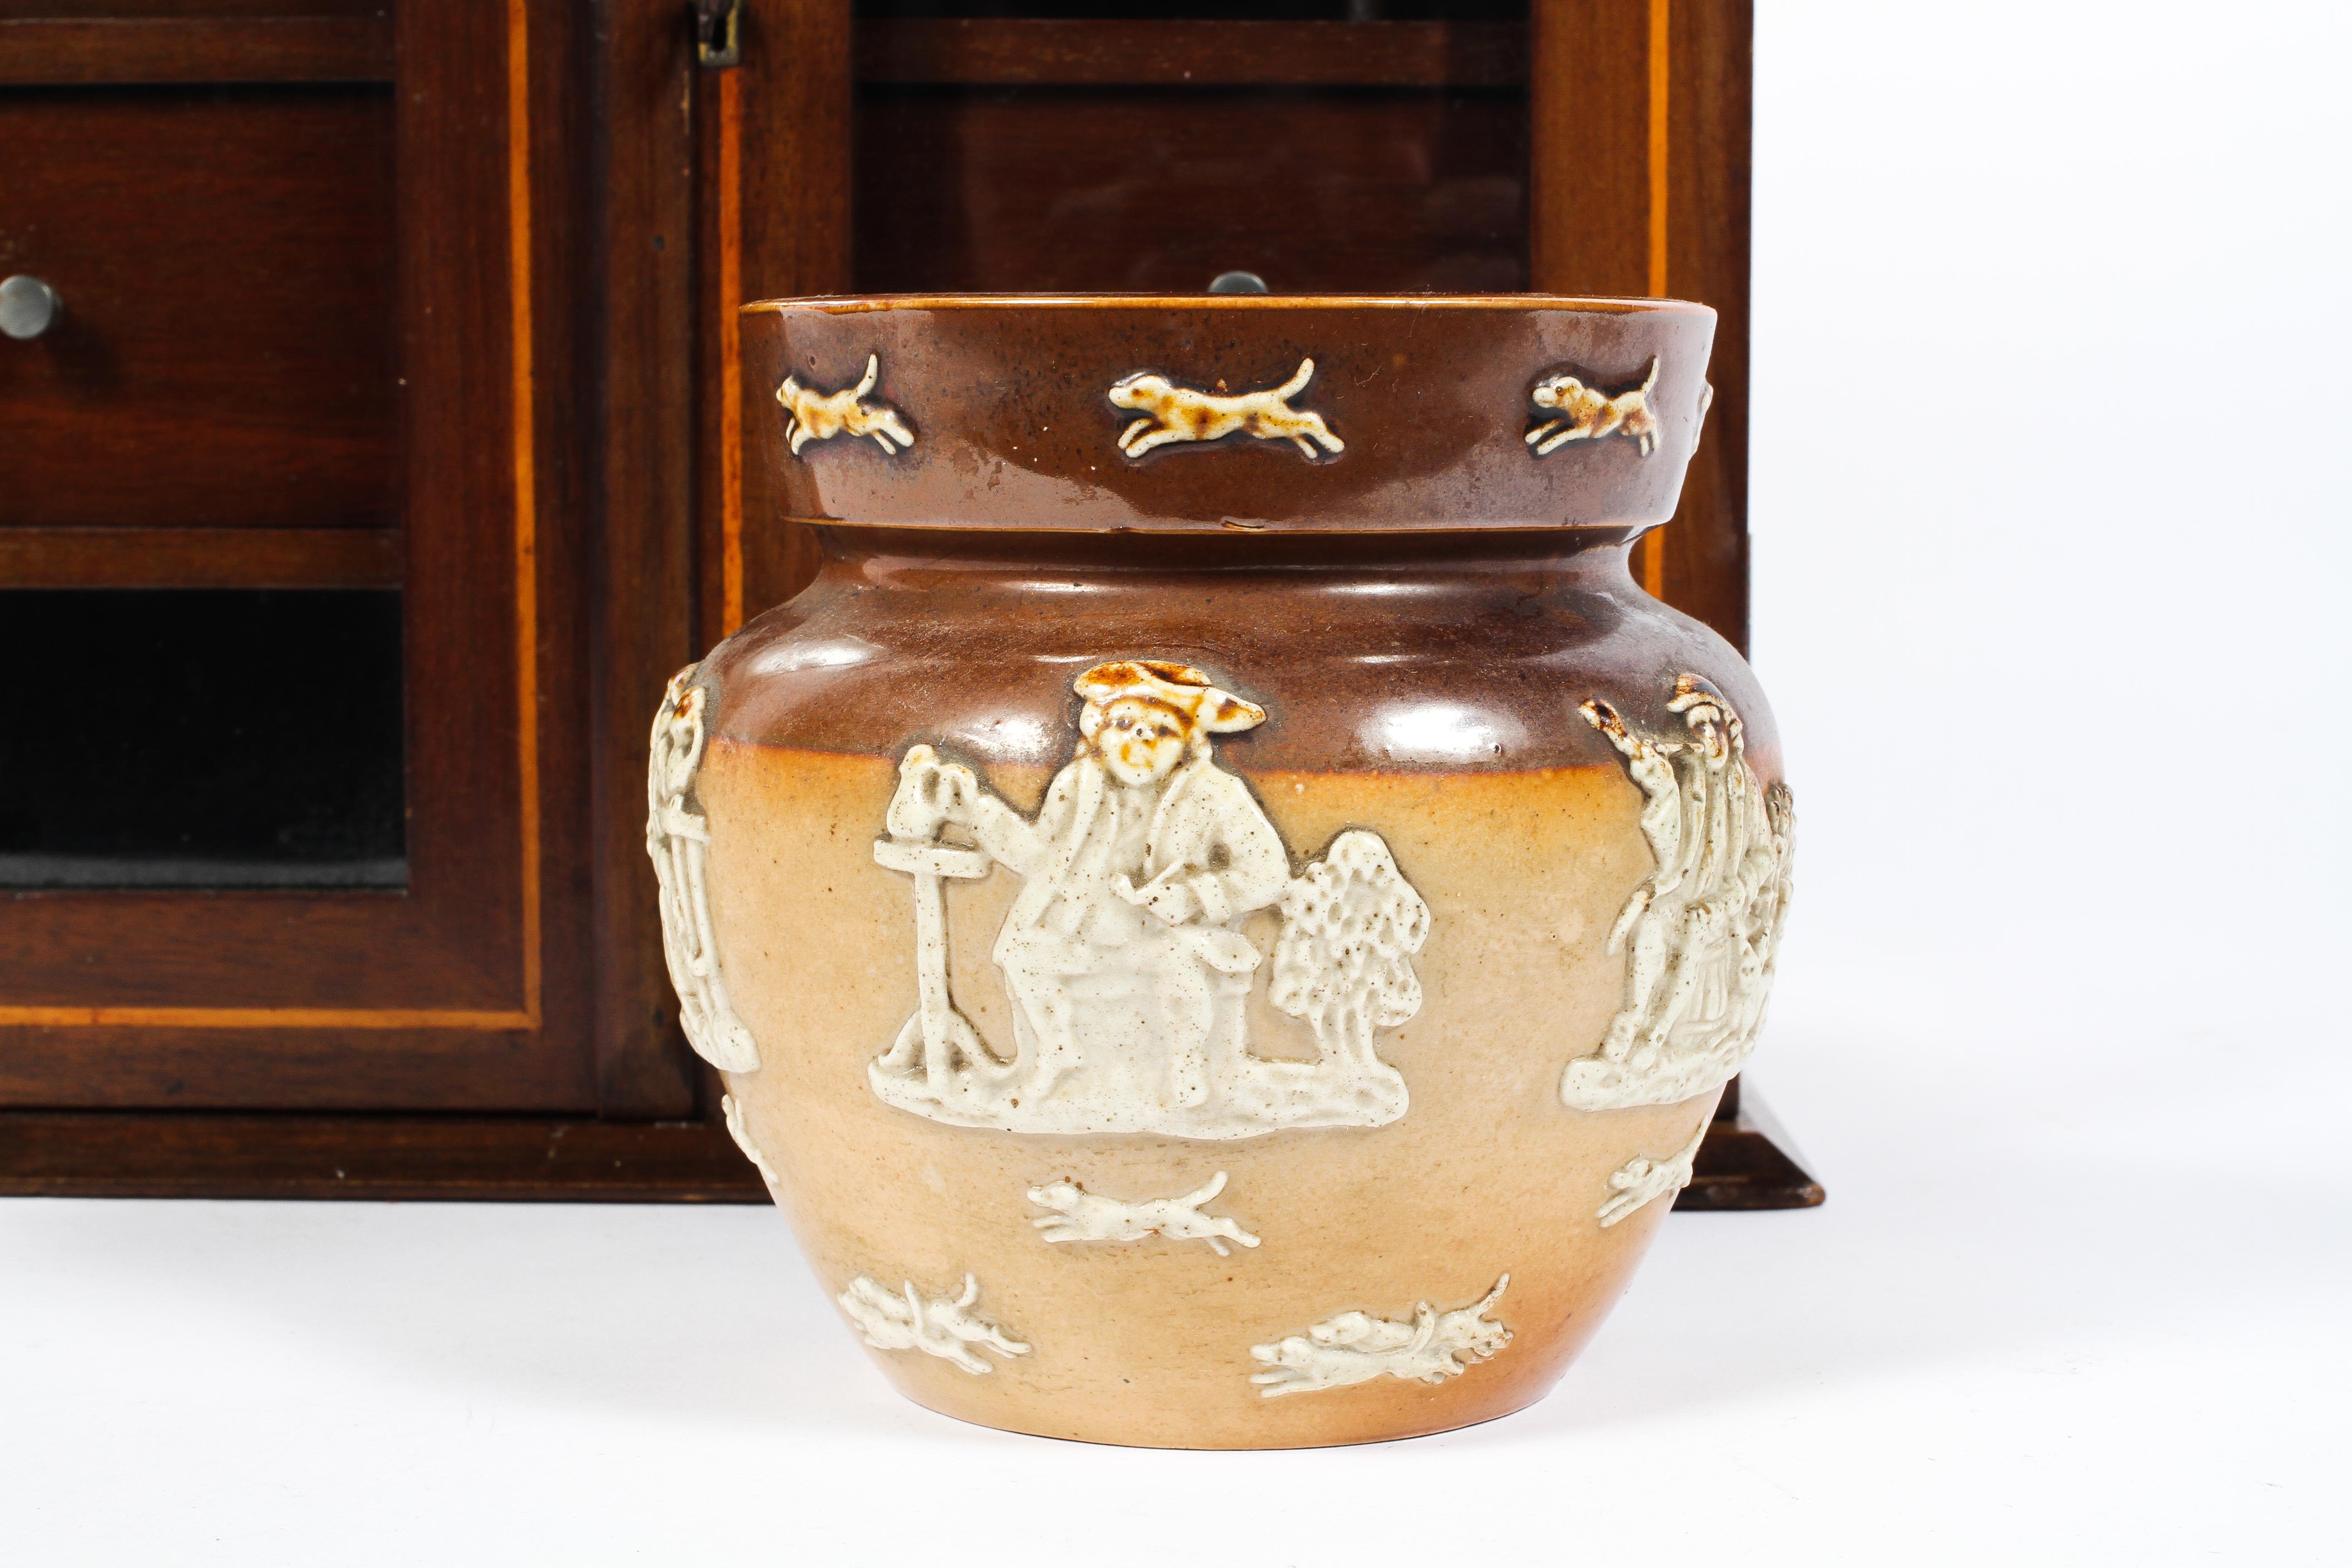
[{"x": 1122, "y": 954}]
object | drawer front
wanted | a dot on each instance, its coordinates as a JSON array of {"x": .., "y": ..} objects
[{"x": 226, "y": 261}]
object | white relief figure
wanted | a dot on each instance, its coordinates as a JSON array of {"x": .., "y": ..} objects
[
  {"x": 1588, "y": 414},
  {"x": 1703, "y": 929},
  {"x": 1641, "y": 1179},
  {"x": 677, "y": 837},
  {"x": 1173, "y": 413},
  {"x": 812, "y": 415},
  {"x": 935, "y": 1325},
  {"x": 1356, "y": 1347},
  {"x": 1122, "y": 954},
  {"x": 732, "y": 1109},
  {"x": 1081, "y": 1215}
]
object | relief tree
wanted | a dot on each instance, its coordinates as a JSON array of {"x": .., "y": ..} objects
[{"x": 1344, "y": 960}]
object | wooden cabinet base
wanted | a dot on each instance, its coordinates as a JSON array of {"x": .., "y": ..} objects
[
  {"x": 166, "y": 1154},
  {"x": 1745, "y": 1163},
  {"x": 1748, "y": 1163}
]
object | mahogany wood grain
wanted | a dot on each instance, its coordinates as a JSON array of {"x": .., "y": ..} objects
[
  {"x": 226, "y": 357},
  {"x": 378, "y": 1158},
  {"x": 1003, "y": 52},
  {"x": 644, "y": 565},
  {"x": 200, "y": 557},
  {"x": 468, "y": 579},
  {"x": 797, "y": 134},
  {"x": 563, "y": 472},
  {"x": 320, "y": 1068},
  {"x": 190, "y": 10},
  {"x": 1588, "y": 147},
  {"x": 121, "y": 50},
  {"x": 1149, "y": 189}
]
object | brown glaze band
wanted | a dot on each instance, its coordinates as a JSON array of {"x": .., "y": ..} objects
[{"x": 1006, "y": 405}]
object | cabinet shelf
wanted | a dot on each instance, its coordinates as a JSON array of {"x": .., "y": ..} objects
[
  {"x": 134, "y": 50},
  {"x": 200, "y": 558}
]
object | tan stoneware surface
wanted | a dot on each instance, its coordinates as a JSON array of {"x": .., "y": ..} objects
[{"x": 1399, "y": 643}]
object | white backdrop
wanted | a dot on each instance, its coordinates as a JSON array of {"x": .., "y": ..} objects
[{"x": 2050, "y": 506}]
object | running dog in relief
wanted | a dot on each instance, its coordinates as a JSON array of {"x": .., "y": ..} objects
[
  {"x": 1593, "y": 415},
  {"x": 1356, "y": 1347},
  {"x": 1645, "y": 1177},
  {"x": 1173, "y": 413},
  {"x": 942, "y": 1326},
  {"x": 821, "y": 415},
  {"x": 1080, "y": 1215}
]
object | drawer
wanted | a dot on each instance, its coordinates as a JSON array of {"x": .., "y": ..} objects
[{"x": 226, "y": 257}]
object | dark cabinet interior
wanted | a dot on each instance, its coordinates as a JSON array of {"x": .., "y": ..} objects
[
  {"x": 388, "y": 455},
  {"x": 195, "y": 775}
]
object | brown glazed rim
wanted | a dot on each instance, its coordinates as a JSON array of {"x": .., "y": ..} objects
[
  {"x": 1446, "y": 464},
  {"x": 853, "y": 304}
]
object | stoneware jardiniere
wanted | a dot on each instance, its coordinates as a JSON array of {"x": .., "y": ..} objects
[{"x": 1223, "y": 912}]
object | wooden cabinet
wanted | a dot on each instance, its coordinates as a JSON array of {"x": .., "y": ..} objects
[
  {"x": 388, "y": 457},
  {"x": 294, "y": 577}
]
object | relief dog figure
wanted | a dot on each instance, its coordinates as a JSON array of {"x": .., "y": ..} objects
[
  {"x": 1593, "y": 415},
  {"x": 941, "y": 1326},
  {"x": 1080, "y": 1215},
  {"x": 821, "y": 415},
  {"x": 1173, "y": 413},
  {"x": 1356, "y": 1347}
]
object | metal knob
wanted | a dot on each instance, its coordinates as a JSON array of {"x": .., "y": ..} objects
[{"x": 28, "y": 306}]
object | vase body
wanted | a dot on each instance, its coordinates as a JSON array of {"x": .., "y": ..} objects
[{"x": 1224, "y": 912}]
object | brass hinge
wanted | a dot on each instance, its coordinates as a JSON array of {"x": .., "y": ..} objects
[{"x": 719, "y": 32}]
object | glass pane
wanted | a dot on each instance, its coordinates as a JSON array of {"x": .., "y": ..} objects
[{"x": 213, "y": 738}]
